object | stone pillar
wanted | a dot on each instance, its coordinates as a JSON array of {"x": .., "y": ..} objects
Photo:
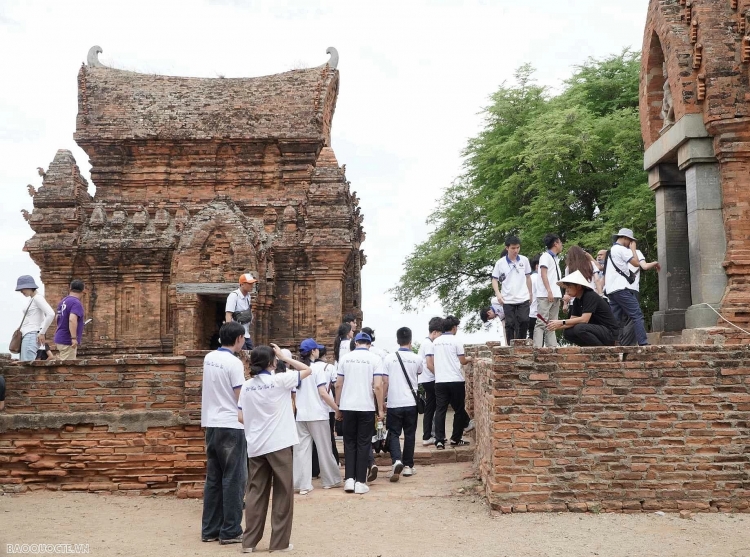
[
  {"x": 708, "y": 243},
  {"x": 668, "y": 183}
]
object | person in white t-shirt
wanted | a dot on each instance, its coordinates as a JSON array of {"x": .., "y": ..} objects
[
  {"x": 265, "y": 409},
  {"x": 494, "y": 313},
  {"x": 627, "y": 333},
  {"x": 402, "y": 402},
  {"x": 514, "y": 272},
  {"x": 450, "y": 386},
  {"x": 534, "y": 307},
  {"x": 547, "y": 292},
  {"x": 226, "y": 460},
  {"x": 313, "y": 404},
  {"x": 239, "y": 307},
  {"x": 359, "y": 377},
  {"x": 617, "y": 281},
  {"x": 427, "y": 380}
]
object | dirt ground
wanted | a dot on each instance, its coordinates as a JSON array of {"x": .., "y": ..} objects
[{"x": 416, "y": 517}]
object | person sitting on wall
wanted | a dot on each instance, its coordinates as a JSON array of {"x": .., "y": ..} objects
[
  {"x": 238, "y": 307},
  {"x": 591, "y": 321}
]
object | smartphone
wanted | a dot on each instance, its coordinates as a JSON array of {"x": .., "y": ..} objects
[{"x": 539, "y": 316}]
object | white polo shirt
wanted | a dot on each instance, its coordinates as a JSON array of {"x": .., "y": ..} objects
[
  {"x": 447, "y": 349},
  {"x": 237, "y": 301},
  {"x": 513, "y": 289},
  {"x": 222, "y": 373},
  {"x": 425, "y": 349},
  {"x": 614, "y": 281},
  {"x": 399, "y": 393},
  {"x": 534, "y": 306},
  {"x": 636, "y": 286},
  {"x": 266, "y": 404},
  {"x": 358, "y": 368},
  {"x": 310, "y": 407},
  {"x": 549, "y": 264}
]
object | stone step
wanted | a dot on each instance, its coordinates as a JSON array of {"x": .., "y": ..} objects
[{"x": 424, "y": 456}]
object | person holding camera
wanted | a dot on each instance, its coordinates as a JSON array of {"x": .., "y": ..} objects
[
  {"x": 618, "y": 279},
  {"x": 238, "y": 307}
]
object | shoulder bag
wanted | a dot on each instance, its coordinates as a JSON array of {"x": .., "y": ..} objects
[
  {"x": 417, "y": 398},
  {"x": 242, "y": 317},
  {"x": 15, "y": 341}
]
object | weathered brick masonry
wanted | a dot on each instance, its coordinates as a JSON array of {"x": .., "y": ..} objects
[
  {"x": 615, "y": 429},
  {"x": 130, "y": 424}
]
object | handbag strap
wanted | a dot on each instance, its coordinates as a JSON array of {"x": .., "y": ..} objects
[
  {"x": 406, "y": 375},
  {"x": 25, "y": 313}
]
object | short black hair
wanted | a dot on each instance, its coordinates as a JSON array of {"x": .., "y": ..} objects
[
  {"x": 534, "y": 262},
  {"x": 512, "y": 240},
  {"x": 369, "y": 331},
  {"x": 349, "y": 317},
  {"x": 435, "y": 324},
  {"x": 403, "y": 336},
  {"x": 76, "y": 285},
  {"x": 450, "y": 322},
  {"x": 550, "y": 240},
  {"x": 229, "y": 333},
  {"x": 484, "y": 314}
]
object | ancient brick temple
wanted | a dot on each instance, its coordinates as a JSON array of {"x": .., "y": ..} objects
[
  {"x": 198, "y": 181},
  {"x": 695, "y": 118}
]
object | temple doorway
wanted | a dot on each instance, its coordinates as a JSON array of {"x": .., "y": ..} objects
[{"x": 210, "y": 316}]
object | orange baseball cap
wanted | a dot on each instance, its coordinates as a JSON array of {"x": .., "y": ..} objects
[{"x": 247, "y": 277}]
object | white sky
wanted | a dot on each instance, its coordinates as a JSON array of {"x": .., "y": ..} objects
[{"x": 414, "y": 76}]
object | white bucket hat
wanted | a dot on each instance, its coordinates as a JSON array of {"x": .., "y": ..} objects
[
  {"x": 575, "y": 278},
  {"x": 624, "y": 232}
]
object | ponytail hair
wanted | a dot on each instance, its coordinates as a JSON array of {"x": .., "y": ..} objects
[
  {"x": 344, "y": 330},
  {"x": 304, "y": 357},
  {"x": 261, "y": 359}
]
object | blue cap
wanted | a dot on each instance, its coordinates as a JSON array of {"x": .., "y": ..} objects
[
  {"x": 363, "y": 337},
  {"x": 309, "y": 344}
]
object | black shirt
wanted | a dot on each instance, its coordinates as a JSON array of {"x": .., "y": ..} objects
[{"x": 597, "y": 306}]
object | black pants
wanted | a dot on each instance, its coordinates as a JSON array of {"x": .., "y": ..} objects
[
  {"x": 453, "y": 393},
  {"x": 428, "y": 420},
  {"x": 226, "y": 480},
  {"x": 357, "y": 443},
  {"x": 397, "y": 419},
  {"x": 586, "y": 334},
  {"x": 516, "y": 320},
  {"x": 334, "y": 448},
  {"x": 248, "y": 344},
  {"x": 532, "y": 324}
]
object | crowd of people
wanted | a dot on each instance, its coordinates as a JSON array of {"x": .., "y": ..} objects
[
  {"x": 271, "y": 419},
  {"x": 598, "y": 296}
]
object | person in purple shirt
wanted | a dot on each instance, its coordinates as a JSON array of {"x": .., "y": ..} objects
[{"x": 70, "y": 322}]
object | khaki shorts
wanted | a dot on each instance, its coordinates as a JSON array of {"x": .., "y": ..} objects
[{"x": 66, "y": 352}]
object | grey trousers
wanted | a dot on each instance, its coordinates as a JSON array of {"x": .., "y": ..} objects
[
  {"x": 320, "y": 432},
  {"x": 550, "y": 311},
  {"x": 276, "y": 468}
]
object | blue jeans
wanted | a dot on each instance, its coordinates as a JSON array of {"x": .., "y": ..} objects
[
  {"x": 226, "y": 480},
  {"x": 29, "y": 345},
  {"x": 625, "y": 302},
  {"x": 406, "y": 418}
]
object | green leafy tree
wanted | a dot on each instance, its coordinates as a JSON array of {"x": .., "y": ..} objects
[{"x": 569, "y": 164}]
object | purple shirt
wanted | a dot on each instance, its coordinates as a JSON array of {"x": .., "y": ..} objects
[{"x": 68, "y": 305}]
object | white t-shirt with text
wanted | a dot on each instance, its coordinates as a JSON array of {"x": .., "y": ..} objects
[
  {"x": 514, "y": 289},
  {"x": 266, "y": 404},
  {"x": 399, "y": 393},
  {"x": 358, "y": 368},
  {"x": 447, "y": 348},
  {"x": 550, "y": 265},
  {"x": 310, "y": 407},
  {"x": 222, "y": 373}
]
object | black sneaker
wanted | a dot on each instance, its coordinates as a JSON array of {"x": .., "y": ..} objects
[
  {"x": 372, "y": 473},
  {"x": 238, "y": 539},
  {"x": 210, "y": 539},
  {"x": 440, "y": 445},
  {"x": 459, "y": 443}
]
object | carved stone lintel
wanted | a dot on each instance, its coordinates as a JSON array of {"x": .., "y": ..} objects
[
  {"x": 92, "y": 59},
  {"x": 333, "y": 61}
]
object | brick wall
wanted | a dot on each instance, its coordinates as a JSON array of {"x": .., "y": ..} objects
[
  {"x": 129, "y": 424},
  {"x": 616, "y": 429}
]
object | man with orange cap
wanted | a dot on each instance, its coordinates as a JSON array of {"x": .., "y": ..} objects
[{"x": 238, "y": 306}]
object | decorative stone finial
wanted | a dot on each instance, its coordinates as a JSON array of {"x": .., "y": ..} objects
[
  {"x": 92, "y": 59},
  {"x": 31, "y": 189},
  {"x": 41, "y": 171},
  {"x": 333, "y": 62}
]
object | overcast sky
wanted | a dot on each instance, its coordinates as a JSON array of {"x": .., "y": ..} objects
[{"x": 414, "y": 77}]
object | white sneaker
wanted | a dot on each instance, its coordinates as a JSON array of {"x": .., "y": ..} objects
[
  {"x": 361, "y": 489},
  {"x": 337, "y": 484},
  {"x": 430, "y": 441},
  {"x": 396, "y": 470},
  {"x": 409, "y": 471},
  {"x": 470, "y": 427},
  {"x": 305, "y": 491},
  {"x": 349, "y": 485}
]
